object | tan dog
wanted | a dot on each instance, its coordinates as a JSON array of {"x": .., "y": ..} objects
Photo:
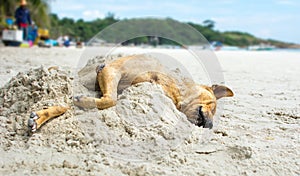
[{"x": 196, "y": 101}]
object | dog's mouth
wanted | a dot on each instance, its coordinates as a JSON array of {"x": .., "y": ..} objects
[{"x": 202, "y": 120}]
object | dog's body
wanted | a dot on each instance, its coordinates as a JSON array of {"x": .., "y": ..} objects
[{"x": 196, "y": 101}]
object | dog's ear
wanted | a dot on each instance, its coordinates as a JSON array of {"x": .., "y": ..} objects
[{"x": 221, "y": 91}]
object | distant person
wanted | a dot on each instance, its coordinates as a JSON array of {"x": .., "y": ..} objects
[
  {"x": 23, "y": 19},
  {"x": 66, "y": 41}
]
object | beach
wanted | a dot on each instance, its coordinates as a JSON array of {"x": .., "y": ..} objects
[{"x": 256, "y": 132}]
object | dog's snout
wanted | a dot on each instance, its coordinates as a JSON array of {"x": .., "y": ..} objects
[
  {"x": 208, "y": 123},
  {"x": 204, "y": 121}
]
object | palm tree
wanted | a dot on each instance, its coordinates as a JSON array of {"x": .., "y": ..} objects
[{"x": 39, "y": 10}]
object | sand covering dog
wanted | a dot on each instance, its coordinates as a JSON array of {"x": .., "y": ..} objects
[{"x": 197, "y": 102}]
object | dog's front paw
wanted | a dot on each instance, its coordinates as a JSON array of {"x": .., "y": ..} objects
[
  {"x": 32, "y": 125},
  {"x": 77, "y": 100},
  {"x": 84, "y": 102}
]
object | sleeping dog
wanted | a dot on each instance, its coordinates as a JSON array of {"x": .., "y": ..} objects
[{"x": 197, "y": 102}]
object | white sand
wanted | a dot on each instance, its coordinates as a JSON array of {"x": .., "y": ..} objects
[{"x": 256, "y": 133}]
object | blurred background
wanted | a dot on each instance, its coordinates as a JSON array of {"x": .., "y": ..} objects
[{"x": 252, "y": 25}]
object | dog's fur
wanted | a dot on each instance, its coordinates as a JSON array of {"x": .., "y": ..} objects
[{"x": 197, "y": 102}]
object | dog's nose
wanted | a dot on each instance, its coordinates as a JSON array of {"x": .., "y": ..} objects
[
  {"x": 208, "y": 123},
  {"x": 205, "y": 122}
]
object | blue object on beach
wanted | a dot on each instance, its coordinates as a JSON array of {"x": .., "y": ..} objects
[
  {"x": 51, "y": 42},
  {"x": 32, "y": 33},
  {"x": 9, "y": 21},
  {"x": 67, "y": 43}
]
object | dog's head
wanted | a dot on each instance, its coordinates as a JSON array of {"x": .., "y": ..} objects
[{"x": 202, "y": 107}]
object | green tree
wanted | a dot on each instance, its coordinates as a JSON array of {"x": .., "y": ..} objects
[{"x": 209, "y": 24}]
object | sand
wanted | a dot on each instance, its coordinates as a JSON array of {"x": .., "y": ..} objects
[{"x": 255, "y": 133}]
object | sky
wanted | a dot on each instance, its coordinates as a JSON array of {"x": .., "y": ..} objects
[{"x": 275, "y": 19}]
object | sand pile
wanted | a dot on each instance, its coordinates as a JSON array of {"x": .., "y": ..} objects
[
  {"x": 142, "y": 126},
  {"x": 35, "y": 89}
]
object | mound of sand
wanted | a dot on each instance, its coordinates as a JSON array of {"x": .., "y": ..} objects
[
  {"x": 146, "y": 120},
  {"x": 35, "y": 89}
]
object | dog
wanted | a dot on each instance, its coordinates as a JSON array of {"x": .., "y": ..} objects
[{"x": 197, "y": 102}]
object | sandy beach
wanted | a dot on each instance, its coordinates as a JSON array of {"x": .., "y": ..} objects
[{"x": 256, "y": 132}]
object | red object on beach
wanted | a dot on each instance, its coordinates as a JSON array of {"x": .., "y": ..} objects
[{"x": 23, "y": 25}]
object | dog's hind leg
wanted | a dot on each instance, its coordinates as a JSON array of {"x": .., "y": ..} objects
[{"x": 108, "y": 79}]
